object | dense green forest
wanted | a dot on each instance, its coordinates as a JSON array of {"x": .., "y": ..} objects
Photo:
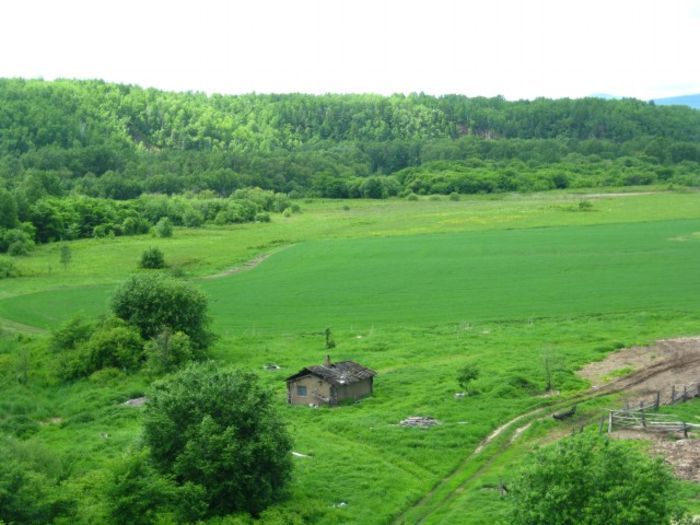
[{"x": 70, "y": 148}]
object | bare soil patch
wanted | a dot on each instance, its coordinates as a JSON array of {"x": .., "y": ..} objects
[
  {"x": 682, "y": 455},
  {"x": 659, "y": 367}
]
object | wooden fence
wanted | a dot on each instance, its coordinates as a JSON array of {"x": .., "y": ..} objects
[
  {"x": 645, "y": 417},
  {"x": 647, "y": 421},
  {"x": 667, "y": 396}
]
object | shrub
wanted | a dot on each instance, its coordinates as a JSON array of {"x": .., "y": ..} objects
[
  {"x": 8, "y": 269},
  {"x": 70, "y": 335},
  {"x": 454, "y": 196},
  {"x": 152, "y": 258},
  {"x": 65, "y": 255},
  {"x": 192, "y": 218},
  {"x": 137, "y": 494},
  {"x": 587, "y": 479},
  {"x": 466, "y": 375},
  {"x": 15, "y": 242},
  {"x": 20, "y": 425},
  {"x": 135, "y": 226},
  {"x": 585, "y": 205},
  {"x": 281, "y": 202},
  {"x": 18, "y": 248},
  {"x": 168, "y": 351},
  {"x": 29, "y": 485},
  {"x": 163, "y": 228},
  {"x": 114, "y": 345},
  {"x": 85, "y": 348},
  {"x": 103, "y": 230},
  {"x": 262, "y": 217}
]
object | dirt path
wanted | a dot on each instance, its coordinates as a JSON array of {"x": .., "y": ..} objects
[
  {"x": 617, "y": 194},
  {"x": 247, "y": 265},
  {"x": 668, "y": 361},
  {"x": 20, "y": 328}
]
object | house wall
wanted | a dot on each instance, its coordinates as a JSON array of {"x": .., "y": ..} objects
[
  {"x": 354, "y": 391},
  {"x": 318, "y": 391}
]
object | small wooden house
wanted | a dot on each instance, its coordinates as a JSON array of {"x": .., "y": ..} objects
[{"x": 330, "y": 383}]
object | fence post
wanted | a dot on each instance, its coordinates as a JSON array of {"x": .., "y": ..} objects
[
  {"x": 673, "y": 394},
  {"x": 602, "y": 422},
  {"x": 610, "y": 421},
  {"x": 641, "y": 411},
  {"x": 685, "y": 430},
  {"x": 685, "y": 393},
  {"x": 658, "y": 400}
]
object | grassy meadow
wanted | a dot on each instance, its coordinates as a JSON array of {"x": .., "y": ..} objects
[{"x": 410, "y": 289}]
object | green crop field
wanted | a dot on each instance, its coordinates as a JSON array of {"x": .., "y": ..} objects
[
  {"x": 410, "y": 289},
  {"x": 439, "y": 278}
]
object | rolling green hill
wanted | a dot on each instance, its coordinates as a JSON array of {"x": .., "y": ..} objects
[{"x": 435, "y": 279}]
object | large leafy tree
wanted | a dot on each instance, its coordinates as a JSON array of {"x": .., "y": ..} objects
[
  {"x": 219, "y": 430},
  {"x": 8, "y": 209},
  {"x": 30, "y": 490},
  {"x": 153, "y": 302},
  {"x": 587, "y": 480}
]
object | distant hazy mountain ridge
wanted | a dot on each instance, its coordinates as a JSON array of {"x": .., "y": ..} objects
[{"x": 684, "y": 100}]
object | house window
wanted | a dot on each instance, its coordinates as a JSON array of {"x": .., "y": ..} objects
[{"x": 301, "y": 390}]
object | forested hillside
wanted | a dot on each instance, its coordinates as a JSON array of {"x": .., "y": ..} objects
[{"x": 66, "y": 144}]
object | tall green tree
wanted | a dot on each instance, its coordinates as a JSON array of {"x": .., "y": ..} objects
[
  {"x": 8, "y": 209},
  {"x": 153, "y": 302},
  {"x": 219, "y": 430}
]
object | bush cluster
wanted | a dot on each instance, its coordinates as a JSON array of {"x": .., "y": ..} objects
[{"x": 157, "y": 321}]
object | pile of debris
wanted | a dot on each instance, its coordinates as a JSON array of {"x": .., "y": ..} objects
[
  {"x": 136, "y": 402},
  {"x": 419, "y": 421}
]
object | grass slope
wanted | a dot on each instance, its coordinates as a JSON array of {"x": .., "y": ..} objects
[
  {"x": 412, "y": 290},
  {"x": 514, "y": 274},
  {"x": 433, "y": 279}
]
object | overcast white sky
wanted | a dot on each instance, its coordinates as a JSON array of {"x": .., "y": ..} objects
[{"x": 519, "y": 49}]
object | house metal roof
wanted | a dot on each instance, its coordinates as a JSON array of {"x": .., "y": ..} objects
[{"x": 341, "y": 374}]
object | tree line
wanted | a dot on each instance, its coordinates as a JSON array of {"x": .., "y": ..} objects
[
  {"x": 24, "y": 222},
  {"x": 85, "y": 158}
]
